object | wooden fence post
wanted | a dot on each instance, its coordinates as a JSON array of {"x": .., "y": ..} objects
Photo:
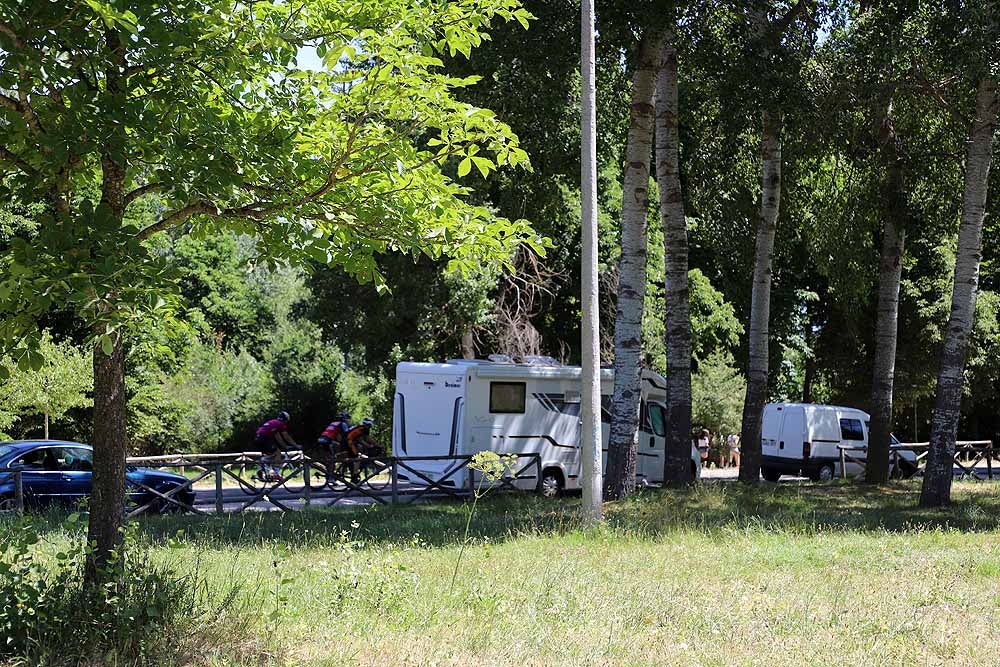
[
  {"x": 394, "y": 481},
  {"x": 218, "y": 489},
  {"x": 19, "y": 491},
  {"x": 306, "y": 489},
  {"x": 843, "y": 463}
]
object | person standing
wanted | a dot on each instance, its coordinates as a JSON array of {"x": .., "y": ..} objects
[
  {"x": 704, "y": 444},
  {"x": 734, "y": 450}
]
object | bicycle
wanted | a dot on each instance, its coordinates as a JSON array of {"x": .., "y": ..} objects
[{"x": 265, "y": 476}]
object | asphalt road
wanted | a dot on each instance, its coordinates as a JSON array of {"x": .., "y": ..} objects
[{"x": 236, "y": 499}]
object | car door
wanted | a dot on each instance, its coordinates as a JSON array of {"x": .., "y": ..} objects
[
  {"x": 40, "y": 475},
  {"x": 652, "y": 443},
  {"x": 76, "y": 465}
]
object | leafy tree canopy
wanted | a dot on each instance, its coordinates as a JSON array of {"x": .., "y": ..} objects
[{"x": 202, "y": 107}]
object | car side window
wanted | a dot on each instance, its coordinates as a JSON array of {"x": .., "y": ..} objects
[
  {"x": 38, "y": 459},
  {"x": 657, "y": 419},
  {"x": 75, "y": 459},
  {"x": 851, "y": 429}
]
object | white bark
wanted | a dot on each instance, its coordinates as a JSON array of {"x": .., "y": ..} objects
[
  {"x": 677, "y": 461},
  {"x": 760, "y": 300},
  {"x": 936, "y": 489},
  {"x": 887, "y": 314},
  {"x": 620, "y": 475},
  {"x": 590, "y": 428}
]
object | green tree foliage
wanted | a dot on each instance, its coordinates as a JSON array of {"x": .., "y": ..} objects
[
  {"x": 48, "y": 385},
  {"x": 717, "y": 391}
]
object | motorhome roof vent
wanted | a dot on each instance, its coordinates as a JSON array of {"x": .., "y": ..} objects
[
  {"x": 500, "y": 359},
  {"x": 539, "y": 360}
]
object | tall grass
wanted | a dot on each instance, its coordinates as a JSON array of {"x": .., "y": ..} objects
[{"x": 715, "y": 575}]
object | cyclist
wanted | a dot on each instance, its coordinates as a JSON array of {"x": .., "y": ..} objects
[
  {"x": 359, "y": 438},
  {"x": 333, "y": 436},
  {"x": 333, "y": 440},
  {"x": 273, "y": 439},
  {"x": 360, "y": 445}
]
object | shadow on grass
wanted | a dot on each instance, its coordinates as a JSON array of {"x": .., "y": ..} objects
[{"x": 804, "y": 508}]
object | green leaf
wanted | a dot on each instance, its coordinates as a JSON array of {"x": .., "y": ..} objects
[
  {"x": 107, "y": 345},
  {"x": 464, "y": 167}
]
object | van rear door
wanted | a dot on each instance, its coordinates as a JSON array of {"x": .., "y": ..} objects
[{"x": 793, "y": 432}]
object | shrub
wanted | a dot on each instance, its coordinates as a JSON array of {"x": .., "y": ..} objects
[{"x": 51, "y": 616}]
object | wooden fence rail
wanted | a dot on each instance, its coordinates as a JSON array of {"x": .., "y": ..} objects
[
  {"x": 976, "y": 451},
  {"x": 304, "y": 480}
]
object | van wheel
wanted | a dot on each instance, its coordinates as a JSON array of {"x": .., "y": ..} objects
[
  {"x": 552, "y": 484},
  {"x": 770, "y": 474},
  {"x": 904, "y": 470},
  {"x": 825, "y": 473}
]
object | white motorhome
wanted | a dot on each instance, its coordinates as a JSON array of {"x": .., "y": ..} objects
[
  {"x": 804, "y": 439},
  {"x": 467, "y": 406}
]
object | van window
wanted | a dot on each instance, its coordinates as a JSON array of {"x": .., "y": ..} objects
[
  {"x": 657, "y": 419},
  {"x": 850, "y": 429},
  {"x": 507, "y": 397}
]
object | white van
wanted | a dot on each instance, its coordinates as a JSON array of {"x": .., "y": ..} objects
[
  {"x": 804, "y": 438},
  {"x": 467, "y": 406}
]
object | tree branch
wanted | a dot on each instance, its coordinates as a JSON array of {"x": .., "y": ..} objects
[
  {"x": 142, "y": 191},
  {"x": 779, "y": 26},
  {"x": 176, "y": 218},
  {"x": 13, "y": 159}
]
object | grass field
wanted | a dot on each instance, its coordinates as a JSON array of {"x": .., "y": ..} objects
[{"x": 718, "y": 575}]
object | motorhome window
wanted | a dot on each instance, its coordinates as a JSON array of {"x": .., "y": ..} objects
[
  {"x": 507, "y": 397},
  {"x": 657, "y": 419},
  {"x": 850, "y": 429}
]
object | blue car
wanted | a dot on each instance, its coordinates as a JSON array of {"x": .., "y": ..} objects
[{"x": 53, "y": 471}]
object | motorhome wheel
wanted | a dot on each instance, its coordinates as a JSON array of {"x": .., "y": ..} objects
[
  {"x": 825, "y": 472},
  {"x": 552, "y": 484}
]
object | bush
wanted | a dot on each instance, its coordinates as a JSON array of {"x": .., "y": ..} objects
[{"x": 52, "y": 617}]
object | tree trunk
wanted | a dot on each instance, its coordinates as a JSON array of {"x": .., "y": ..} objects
[
  {"x": 936, "y": 489},
  {"x": 468, "y": 345},
  {"x": 46, "y": 427},
  {"x": 760, "y": 301},
  {"x": 619, "y": 479},
  {"x": 886, "y": 326},
  {"x": 590, "y": 378},
  {"x": 107, "y": 497},
  {"x": 677, "y": 459}
]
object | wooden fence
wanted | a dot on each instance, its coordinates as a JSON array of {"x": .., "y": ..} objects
[
  {"x": 303, "y": 481},
  {"x": 968, "y": 455}
]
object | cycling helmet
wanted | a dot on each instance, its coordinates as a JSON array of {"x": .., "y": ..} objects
[
  {"x": 368, "y": 421},
  {"x": 283, "y": 416},
  {"x": 344, "y": 416}
]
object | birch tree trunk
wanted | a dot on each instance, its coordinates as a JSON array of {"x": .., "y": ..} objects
[
  {"x": 936, "y": 490},
  {"x": 677, "y": 460},
  {"x": 760, "y": 300},
  {"x": 886, "y": 324},
  {"x": 590, "y": 410},
  {"x": 619, "y": 479}
]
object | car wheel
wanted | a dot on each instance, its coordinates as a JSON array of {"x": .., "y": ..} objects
[
  {"x": 552, "y": 484},
  {"x": 825, "y": 473},
  {"x": 8, "y": 503},
  {"x": 771, "y": 474}
]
